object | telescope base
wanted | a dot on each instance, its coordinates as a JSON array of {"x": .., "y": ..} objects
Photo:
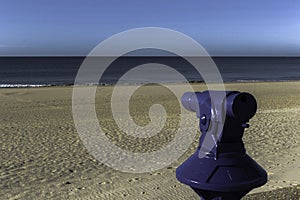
[{"x": 213, "y": 195}]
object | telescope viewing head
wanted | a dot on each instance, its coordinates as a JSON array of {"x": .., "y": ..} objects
[
  {"x": 235, "y": 108},
  {"x": 239, "y": 105}
]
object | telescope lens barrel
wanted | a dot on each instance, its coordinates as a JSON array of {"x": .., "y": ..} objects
[{"x": 239, "y": 105}]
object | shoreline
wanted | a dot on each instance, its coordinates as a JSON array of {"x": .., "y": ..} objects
[{"x": 134, "y": 84}]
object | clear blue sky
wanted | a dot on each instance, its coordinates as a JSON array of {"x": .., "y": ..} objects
[{"x": 223, "y": 27}]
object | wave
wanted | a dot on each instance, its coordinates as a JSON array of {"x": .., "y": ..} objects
[
  {"x": 24, "y": 85},
  {"x": 47, "y": 85},
  {"x": 261, "y": 80}
]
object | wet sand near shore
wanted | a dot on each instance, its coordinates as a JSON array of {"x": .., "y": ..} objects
[{"x": 42, "y": 156}]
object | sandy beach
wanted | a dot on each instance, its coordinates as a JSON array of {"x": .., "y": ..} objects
[{"x": 42, "y": 156}]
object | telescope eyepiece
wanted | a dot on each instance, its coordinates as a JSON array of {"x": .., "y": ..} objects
[{"x": 189, "y": 101}]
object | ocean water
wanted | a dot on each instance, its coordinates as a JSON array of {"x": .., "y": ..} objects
[{"x": 50, "y": 71}]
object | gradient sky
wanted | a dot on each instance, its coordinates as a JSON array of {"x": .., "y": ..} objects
[{"x": 223, "y": 27}]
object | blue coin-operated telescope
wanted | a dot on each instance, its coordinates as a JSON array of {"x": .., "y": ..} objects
[{"x": 220, "y": 169}]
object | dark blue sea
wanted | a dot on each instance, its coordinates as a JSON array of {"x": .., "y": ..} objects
[{"x": 52, "y": 71}]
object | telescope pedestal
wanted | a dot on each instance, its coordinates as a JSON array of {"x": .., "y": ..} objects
[{"x": 224, "y": 171}]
